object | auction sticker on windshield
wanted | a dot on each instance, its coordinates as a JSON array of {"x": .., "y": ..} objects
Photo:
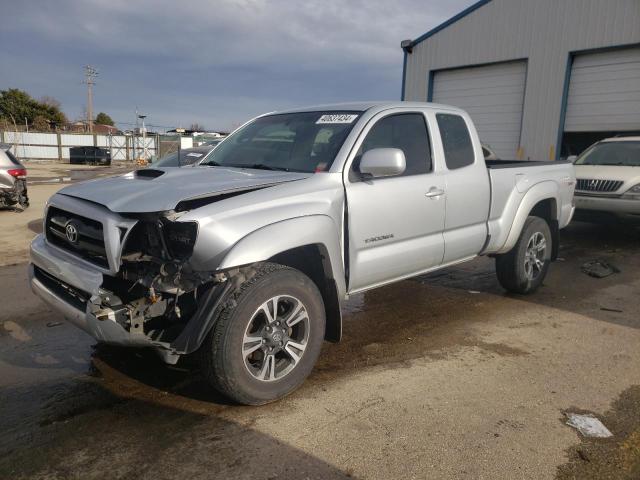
[{"x": 337, "y": 118}]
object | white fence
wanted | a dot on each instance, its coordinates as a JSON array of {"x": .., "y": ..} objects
[{"x": 55, "y": 146}]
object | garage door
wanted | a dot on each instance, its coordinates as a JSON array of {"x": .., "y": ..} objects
[
  {"x": 493, "y": 95},
  {"x": 604, "y": 92}
]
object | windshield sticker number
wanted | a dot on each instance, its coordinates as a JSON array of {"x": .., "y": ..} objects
[{"x": 337, "y": 118}]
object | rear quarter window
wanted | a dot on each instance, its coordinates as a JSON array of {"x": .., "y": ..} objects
[{"x": 456, "y": 141}]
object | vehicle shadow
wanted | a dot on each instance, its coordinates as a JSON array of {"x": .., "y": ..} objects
[
  {"x": 566, "y": 286},
  {"x": 35, "y": 225},
  {"x": 120, "y": 437}
]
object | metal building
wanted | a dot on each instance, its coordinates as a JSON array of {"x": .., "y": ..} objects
[{"x": 542, "y": 79}]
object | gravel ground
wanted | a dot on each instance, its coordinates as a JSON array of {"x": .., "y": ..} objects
[{"x": 443, "y": 376}]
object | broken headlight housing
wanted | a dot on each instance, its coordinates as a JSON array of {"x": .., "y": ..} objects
[
  {"x": 180, "y": 238},
  {"x": 633, "y": 193}
]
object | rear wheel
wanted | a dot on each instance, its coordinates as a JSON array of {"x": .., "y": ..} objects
[
  {"x": 267, "y": 337},
  {"x": 523, "y": 269}
]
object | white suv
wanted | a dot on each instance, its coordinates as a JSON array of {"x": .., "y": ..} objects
[{"x": 608, "y": 179}]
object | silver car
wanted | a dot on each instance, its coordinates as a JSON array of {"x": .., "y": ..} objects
[
  {"x": 185, "y": 157},
  {"x": 608, "y": 180},
  {"x": 13, "y": 180}
]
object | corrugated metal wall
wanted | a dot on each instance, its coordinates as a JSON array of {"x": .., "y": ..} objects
[{"x": 542, "y": 31}]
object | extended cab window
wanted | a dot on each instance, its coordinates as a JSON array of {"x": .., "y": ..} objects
[
  {"x": 405, "y": 131},
  {"x": 458, "y": 150}
]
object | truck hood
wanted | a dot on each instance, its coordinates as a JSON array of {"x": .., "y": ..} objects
[{"x": 154, "y": 190}]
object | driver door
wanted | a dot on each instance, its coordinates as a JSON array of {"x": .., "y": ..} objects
[{"x": 395, "y": 224}]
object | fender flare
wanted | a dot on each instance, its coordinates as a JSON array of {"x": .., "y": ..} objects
[
  {"x": 259, "y": 245},
  {"x": 547, "y": 190}
]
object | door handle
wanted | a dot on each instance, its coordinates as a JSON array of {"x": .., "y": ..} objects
[{"x": 434, "y": 192}]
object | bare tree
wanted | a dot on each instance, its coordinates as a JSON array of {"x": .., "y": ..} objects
[
  {"x": 41, "y": 124},
  {"x": 196, "y": 127}
]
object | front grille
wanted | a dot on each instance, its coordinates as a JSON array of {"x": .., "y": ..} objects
[
  {"x": 79, "y": 235},
  {"x": 588, "y": 185},
  {"x": 71, "y": 295}
]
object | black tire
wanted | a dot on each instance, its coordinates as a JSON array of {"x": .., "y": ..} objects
[
  {"x": 510, "y": 267},
  {"x": 223, "y": 362}
]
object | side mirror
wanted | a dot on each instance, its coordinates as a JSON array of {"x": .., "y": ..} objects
[
  {"x": 572, "y": 158},
  {"x": 383, "y": 162}
]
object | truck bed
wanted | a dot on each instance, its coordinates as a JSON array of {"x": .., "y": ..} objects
[
  {"x": 494, "y": 164},
  {"x": 511, "y": 180}
]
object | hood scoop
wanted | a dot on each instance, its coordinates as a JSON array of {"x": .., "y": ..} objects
[{"x": 149, "y": 173}]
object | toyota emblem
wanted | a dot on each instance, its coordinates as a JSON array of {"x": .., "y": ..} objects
[{"x": 71, "y": 231}]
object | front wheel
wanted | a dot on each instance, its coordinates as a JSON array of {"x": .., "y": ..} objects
[
  {"x": 267, "y": 337},
  {"x": 522, "y": 270}
]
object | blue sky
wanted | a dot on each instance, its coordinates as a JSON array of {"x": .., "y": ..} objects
[{"x": 213, "y": 62}]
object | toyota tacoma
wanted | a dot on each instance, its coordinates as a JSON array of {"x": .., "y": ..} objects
[{"x": 246, "y": 259}]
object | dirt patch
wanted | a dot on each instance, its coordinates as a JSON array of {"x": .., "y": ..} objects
[
  {"x": 617, "y": 457},
  {"x": 389, "y": 330}
]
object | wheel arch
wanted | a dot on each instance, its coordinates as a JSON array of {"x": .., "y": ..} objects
[
  {"x": 547, "y": 209},
  {"x": 541, "y": 200},
  {"x": 309, "y": 244},
  {"x": 313, "y": 261}
]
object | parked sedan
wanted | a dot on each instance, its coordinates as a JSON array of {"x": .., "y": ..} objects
[
  {"x": 13, "y": 180},
  {"x": 608, "y": 180},
  {"x": 187, "y": 157}
]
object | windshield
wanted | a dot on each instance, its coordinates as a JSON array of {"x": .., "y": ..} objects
[
  {"x": 296, "y": 142},
  {"x": 612, "y": 153},
  {"x": 188, "y": 156}
]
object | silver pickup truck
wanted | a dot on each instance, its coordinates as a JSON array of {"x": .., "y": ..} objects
[{"x": 246, "y": 259}]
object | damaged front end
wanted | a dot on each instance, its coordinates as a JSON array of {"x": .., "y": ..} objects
[
  {"x": 156, "y": 295},
  {"x": 134, "y": 278}
]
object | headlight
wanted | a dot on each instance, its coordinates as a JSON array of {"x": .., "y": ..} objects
[
  {"x": 633, "y": 193},
  {"x": 180, "y": 238}
]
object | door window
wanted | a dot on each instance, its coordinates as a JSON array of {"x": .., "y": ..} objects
[
  {"x": 405, "y": 131},
  {"x": 458, "y": 150}
]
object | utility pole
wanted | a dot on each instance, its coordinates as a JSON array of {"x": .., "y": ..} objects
[
  {"x": 90, "y": 74},
  {"x": 144, "y": 137}
]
